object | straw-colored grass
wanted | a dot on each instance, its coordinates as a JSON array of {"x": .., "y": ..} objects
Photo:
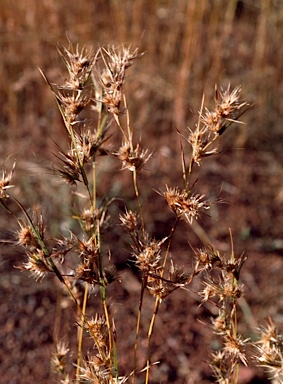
[
  {"x": 95, "y": 81},
  {"x": 116, "y": 103}
]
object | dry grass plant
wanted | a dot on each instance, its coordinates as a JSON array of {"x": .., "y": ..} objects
[{"x": 95, "y": 82}]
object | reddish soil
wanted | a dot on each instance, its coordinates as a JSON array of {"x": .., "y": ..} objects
[{"x": 182, "y": 341}]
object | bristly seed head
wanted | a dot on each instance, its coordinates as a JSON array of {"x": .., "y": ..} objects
[
  {"x": 72, "y": 105},
  {"x": 161, "y": 288},
  {"x": 79, "y": 65},
  {"x": 132, "y": 159},
  {"x": 5, "y": 182},
  {"x": 270, "y": 351},
  {"x": 59, "y": 357},
  {"x": 234, "y": 346},
  {"x": 148, "y": 260},
  {"x": 36, "y": 264},
  {"x": 129, "y": 221},
  {"x": 228, "y": 109},
  {"x": 206, "y": 258},
  {"x": 26, "y": 237},
  {"x": 184, "y": 203},
  {"x": 97, "y": 328},
  {"x": 113, "y": 76}
]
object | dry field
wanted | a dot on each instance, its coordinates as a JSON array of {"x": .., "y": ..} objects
[{"x": 190, "y": 46}]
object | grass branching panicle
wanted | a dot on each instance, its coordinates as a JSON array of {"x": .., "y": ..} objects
[{"x": 94, "y": 110}]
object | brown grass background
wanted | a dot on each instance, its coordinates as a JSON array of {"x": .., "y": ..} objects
[{"x": 190, "y": 46}]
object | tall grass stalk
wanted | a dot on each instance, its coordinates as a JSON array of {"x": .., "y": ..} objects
[{"x": 95, "y": 85}]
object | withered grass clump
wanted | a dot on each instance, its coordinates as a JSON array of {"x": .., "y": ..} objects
[{"x": 94, "y": 87}]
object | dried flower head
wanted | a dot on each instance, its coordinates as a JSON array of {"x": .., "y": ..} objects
[
  {"x": 88, "y": 249},
  {"x": 270, "y": 351},
  {"x": 148, "y": 259},
  {"x": 26, "y": 237},
  {"x": 234, "y": 346},
  {"x": 72, "y": 105},
  {"x": 116, "y": 62},
  {"x": 86, "y": 271},
  {"x": 220, "y": 323},
  {"x": 206, "y": 258},
  {"x": 228, "y": 109},
  {"x": 222, "y": 289},
  {"x": 129, "y": 221},
  {"x": 97, "y": 328},
  {"x": 184, "y": 203},
  {"x": 79, "y": 65},
  {"x": 5, "y": 182},
  {"x": 59, "y": 357},
  {"x": 211, "y": 124},
  {"x": 94, "y": 371},
  {"x": 69, "y": 168},
  {"x": 88, "y": 143},
  {"x": 200, "y": 141},
  {"x": 132, "y": 159},
  {"x": 36, "y": 264},
  {"x": 161, "y": 288},
  {"x": 218, "y": 365}
]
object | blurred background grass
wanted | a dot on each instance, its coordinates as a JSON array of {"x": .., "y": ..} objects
[{"x": 191, "y": 46}]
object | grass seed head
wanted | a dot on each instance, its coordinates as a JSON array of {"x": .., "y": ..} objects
[
  {"x": 148, "y": 260},
  {"x": 112, "y": 78},
  {"x": 69, "y": 167},
  {"x": 72, "y": 105},
  {"x": 184, "y": 203},
  {"x": 79, "y": 65},
  {"x": 5, "y": 181},
  {"x": 270, "y": 351},
  {"x": 129, "y": 221},
  {"x": 94, "y": 372},
  {"x": 26, "y": 237},
  {"x": 161, "y": 288},
  {"x": 228, "y": 109},
  {"x": 206, "y": 258},
  {"x": 234, "y": 346},
  {"x": 132, "y": 159},
  {"x": 97, "y": 328},
  {"x": 59, "y": 357},
  {"x": 36, "y": 264}
]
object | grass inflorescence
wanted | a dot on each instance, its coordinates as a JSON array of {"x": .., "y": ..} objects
[{"x": 80, "y": 259}]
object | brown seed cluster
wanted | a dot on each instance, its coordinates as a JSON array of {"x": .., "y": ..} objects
[
  {"x": 185, "y": 204},
  {"x": 81, "y": 260},
  {"x": 270, "y": 351},
  {"x": 228, "y": 109},
  {"x": 113, "y": 77},
  {"x": 5, "y": 182}
]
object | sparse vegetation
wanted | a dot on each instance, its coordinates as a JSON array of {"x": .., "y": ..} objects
[{"x": 113, "y": 216}]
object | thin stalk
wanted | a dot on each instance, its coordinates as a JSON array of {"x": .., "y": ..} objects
[
  {"x": 115, "y": 357},
  {"x": 150, "y": 331},
  {"x": 144, "y": 283},
  {"x": 130, "y": 133},
  {"x": 157, "y": 303},
  {"x": 94, "y": 185},
  {"x": 120, "y": 127},
  {"x": 80, "y": 334},
  {"x": 85, "y": 321},
  {"x": 103, "y": 298},
  {"x": 190, "y": 169},
  {"x": 135, "y": 182},
  {"x": 110, "y": 345},
  {"x": 169, "y": 245}
]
